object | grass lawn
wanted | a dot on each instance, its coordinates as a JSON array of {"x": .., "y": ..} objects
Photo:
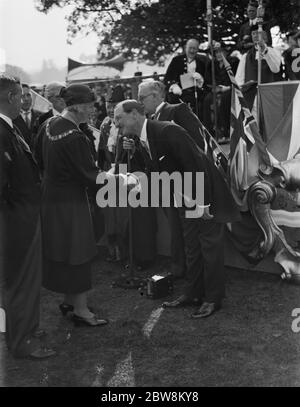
[{"x": 249, "y": 342}]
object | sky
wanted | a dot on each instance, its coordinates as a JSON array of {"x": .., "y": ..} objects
[{"x": 27, "y": 36}]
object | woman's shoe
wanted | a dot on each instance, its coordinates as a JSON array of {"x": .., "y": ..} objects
[
  {"x": 65, "y": 308},
  {"x": 93, "y": 321}
]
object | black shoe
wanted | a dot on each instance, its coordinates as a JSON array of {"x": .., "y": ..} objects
[
  {"x": 135, "y": 267},
  {"x": 93, "y": 321},
  {"x": 181, "y": 301},
  {"x": 206, "y": 309},
  {"x": 39, "y": 333},
  {"x": 68, "y": 308},
  {"x": 41, "y": 353}
]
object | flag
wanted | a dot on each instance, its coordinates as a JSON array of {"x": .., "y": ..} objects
[
  {"x": 247, "y": 149},
  {"x": 40, "y": 103},
  {"x": 215, "y": 151},
  {"x": 280, "y": 117},
  {"x": 280, "y": 105}
]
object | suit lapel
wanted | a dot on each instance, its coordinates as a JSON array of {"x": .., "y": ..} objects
[
  {"x": 20, "y": 140},
  {"x": 160, "y": 113},
  {"x": 151, "y": 141}
]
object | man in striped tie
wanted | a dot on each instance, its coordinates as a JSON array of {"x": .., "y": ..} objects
[{"x": 27, "y": 120}]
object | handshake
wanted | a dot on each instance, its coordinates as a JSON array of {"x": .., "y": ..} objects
[{"x": 128, "y": 180}]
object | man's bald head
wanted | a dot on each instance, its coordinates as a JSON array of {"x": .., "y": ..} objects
[
  {"x": 129, "y": 105},
  {"x": 52, "y": 93},
  {"x": 129, "y": 117}
]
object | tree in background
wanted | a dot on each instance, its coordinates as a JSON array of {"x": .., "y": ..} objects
[
  {"x": 151, "y": 29},
  {"x": 18, "y": 72}
]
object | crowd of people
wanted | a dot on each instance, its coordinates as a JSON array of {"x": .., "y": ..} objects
[{"x": 50, "y": 222}]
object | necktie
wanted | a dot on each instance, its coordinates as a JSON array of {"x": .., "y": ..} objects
[
  {"x": 27, "y": 121},
  {"x": 146, "y": 147},
  {"x": 145, "y": 152}
]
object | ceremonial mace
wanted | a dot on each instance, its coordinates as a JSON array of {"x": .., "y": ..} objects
[
  {"x": 209, "y": 17},
  {"x": 260, "y": 18}
]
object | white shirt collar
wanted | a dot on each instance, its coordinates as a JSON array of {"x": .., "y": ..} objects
[
  {"x": 7, "y": 120},
  {"x": 253, "y": 22},
  {"x": 144, "y": 132},
  {"x": 25, "y": 114},
  {"x": 159, "y": 107},
  {"x": 144, "y": 137},
  {"x": 26, "y": 111}
]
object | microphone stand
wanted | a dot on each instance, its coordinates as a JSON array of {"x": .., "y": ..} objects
[
  {"x": 129, "y": 280},
  {"x": 196, "y": 98},
  {"x": 211, "y": 46}
]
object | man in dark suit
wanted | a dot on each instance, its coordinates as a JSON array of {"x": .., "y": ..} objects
[
  {"x": 20, "y": 244},
  {"x": 26, "y": 122},
  {"x": 171, "y": 149},
  {"x": 152, "y": 95},
  {"x": 188, "y": 63},
  {"x": 244, "y": 38}
]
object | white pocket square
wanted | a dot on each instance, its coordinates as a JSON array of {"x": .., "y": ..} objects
[{"x": 161, "y": 158}]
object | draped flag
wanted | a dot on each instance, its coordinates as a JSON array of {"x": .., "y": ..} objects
[
  {"x": 247, "y": 149},
  {"x": 40, "y": 103},
  {"x": 215, "y": 151},
  {"x": 280, "y": 107}
]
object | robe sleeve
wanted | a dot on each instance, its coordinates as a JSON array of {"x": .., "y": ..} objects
[{"x": 81, "y": 161}]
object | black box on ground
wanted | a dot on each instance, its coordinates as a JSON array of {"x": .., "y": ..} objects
[{"x": 159, "y": 286}]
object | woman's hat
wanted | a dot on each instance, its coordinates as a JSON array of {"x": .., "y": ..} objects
[{"x": 77, "y": 94}]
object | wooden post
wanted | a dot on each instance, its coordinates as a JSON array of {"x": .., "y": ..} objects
[
  {"x": 260, "y": 20},
  {"x": 210, "y": 42}
]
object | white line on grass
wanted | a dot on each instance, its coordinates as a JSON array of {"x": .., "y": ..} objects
[
  {"x": 124, "y": 374},
  {"x": 98, "y": 382},
  {"x": 152, "y": 321}
]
